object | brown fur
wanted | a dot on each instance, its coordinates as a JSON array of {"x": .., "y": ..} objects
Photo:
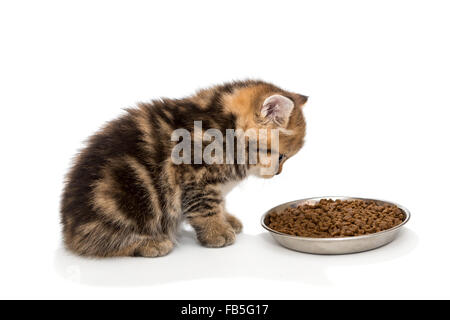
[{"x": 124, "y": 196}]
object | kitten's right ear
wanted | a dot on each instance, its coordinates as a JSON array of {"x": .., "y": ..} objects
[
  {"x": 303, "y": 99},
  {"x": 277, "y": 109}
]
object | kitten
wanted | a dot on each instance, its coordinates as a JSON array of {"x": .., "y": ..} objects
[{"x": 125, "y": 196}]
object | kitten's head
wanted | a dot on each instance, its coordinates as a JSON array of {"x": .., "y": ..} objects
[{"x": 264, "y": 107}]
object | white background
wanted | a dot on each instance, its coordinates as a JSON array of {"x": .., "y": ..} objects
[{"x": 378, "y": 76}]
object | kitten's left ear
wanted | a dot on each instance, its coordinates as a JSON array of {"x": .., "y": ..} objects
[{"x": 277, "y": 109}]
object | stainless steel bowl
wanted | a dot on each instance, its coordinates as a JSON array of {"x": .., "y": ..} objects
[{"x": 334, "y": 245}]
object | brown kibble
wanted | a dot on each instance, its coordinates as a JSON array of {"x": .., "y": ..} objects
[{"x": 336, "y": 218}]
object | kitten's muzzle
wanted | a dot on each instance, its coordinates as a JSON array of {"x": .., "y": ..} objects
[{"x": 281, "y": 159}]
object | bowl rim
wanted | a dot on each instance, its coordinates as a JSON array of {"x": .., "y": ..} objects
[{"x": 405, "y": 210}]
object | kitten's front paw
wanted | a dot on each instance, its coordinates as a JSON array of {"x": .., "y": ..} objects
[
  {"x": 153, "y": 248},
  {"x": 217, "y": 235},
  {"x": 235, "y": 223}
]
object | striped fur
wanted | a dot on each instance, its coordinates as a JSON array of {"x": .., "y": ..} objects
[{"x": 125, "y": 197}]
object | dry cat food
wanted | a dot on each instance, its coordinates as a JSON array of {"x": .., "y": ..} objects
[{"x": 335, "y": 218}]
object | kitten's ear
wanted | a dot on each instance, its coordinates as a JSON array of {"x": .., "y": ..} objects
[{"x": 277, "y": 109}]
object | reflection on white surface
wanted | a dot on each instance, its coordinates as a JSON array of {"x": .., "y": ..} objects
[{"x": 251, "y": 256}]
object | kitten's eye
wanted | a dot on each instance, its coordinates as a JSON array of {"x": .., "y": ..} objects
[{"x": 281, "y": 157}]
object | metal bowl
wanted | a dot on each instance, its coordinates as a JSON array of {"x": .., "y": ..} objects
[{"x": 334, "y": 245}]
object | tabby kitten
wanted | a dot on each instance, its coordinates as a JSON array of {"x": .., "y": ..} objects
[{"x": 125, "y": 196}]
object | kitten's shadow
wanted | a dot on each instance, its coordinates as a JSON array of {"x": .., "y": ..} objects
[{"x": 252, "y": 256}]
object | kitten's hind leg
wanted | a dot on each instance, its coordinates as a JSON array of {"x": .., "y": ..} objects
[{"x": 154, "y": 248}]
